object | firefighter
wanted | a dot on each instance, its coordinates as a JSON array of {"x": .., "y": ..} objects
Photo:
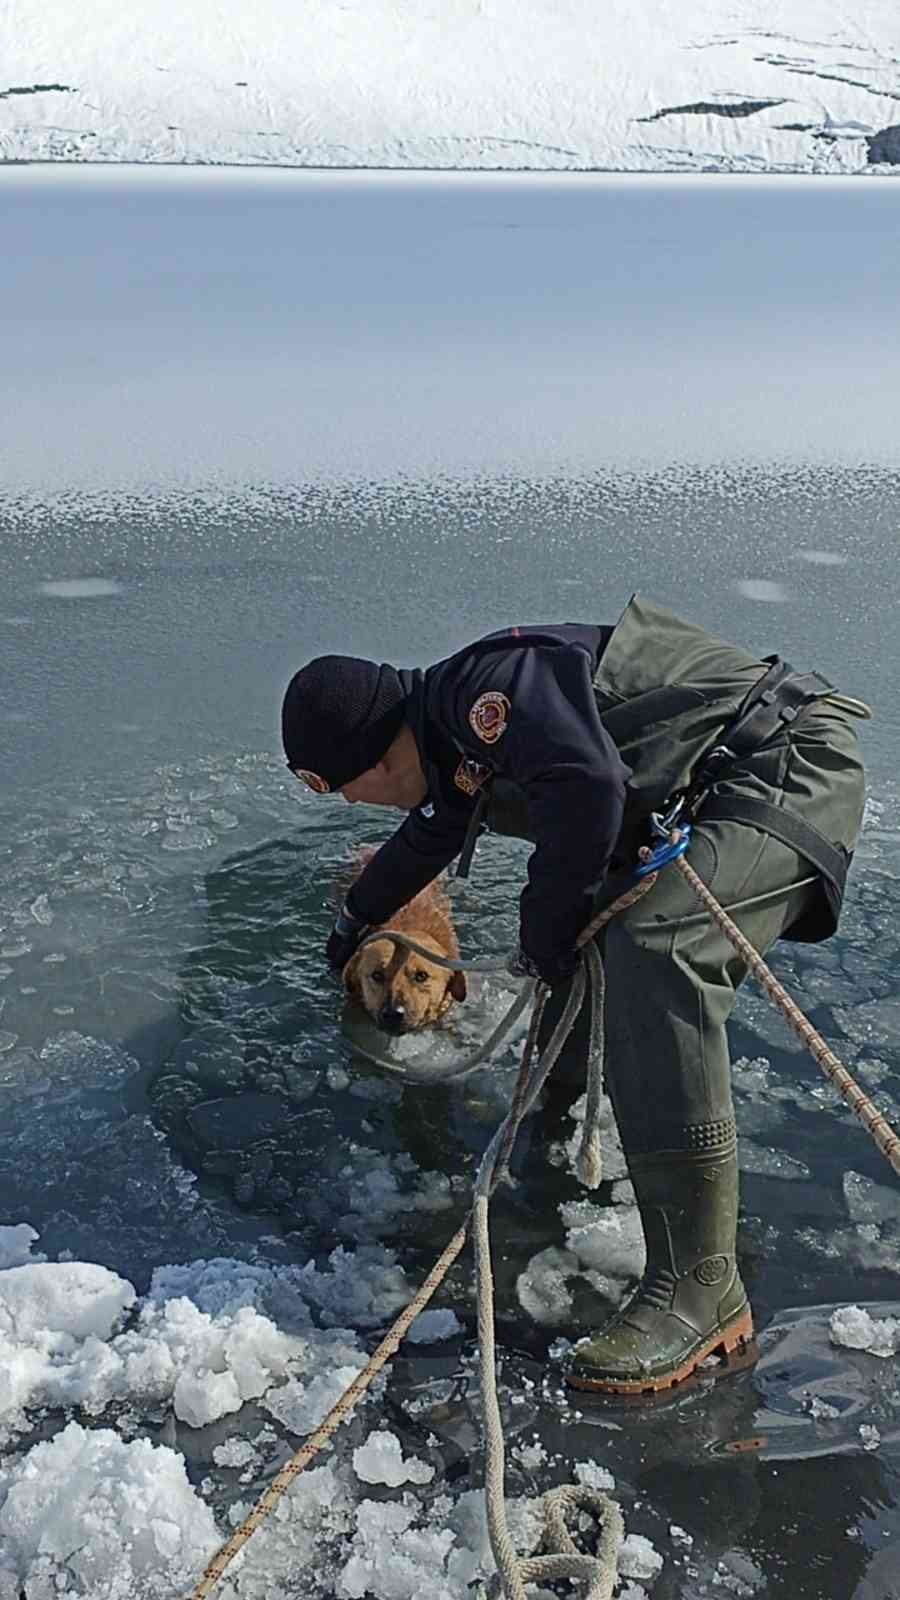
[{"x": 572, "y": 736}]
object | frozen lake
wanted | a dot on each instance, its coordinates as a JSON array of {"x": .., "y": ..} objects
[{"x": 252, "y": 417}]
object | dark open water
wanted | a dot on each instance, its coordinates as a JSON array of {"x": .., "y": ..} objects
[{"x": 253, "y": 418}]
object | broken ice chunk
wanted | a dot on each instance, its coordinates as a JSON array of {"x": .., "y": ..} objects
[
  {"x": 638, "y": 1559},
  {"x": 855, "y": 1328},
  {"x": 430, "y": 1326},
  {"x": 380, "y": 1460},
  {"x": 594, "y": 1476}
]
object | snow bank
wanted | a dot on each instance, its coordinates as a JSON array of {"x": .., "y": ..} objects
[{"x": 786, "y": 85}]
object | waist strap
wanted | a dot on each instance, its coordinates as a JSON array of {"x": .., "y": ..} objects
[{"x": 830, "y": 860}]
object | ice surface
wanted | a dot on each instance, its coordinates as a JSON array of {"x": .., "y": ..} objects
[{"x": 854, "y": 1327}]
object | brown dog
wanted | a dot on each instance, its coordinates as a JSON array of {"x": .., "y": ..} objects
[{"x": 400, "y": 990}]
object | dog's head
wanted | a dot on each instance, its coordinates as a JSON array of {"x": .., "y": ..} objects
[{"x": 400, "y": 990}]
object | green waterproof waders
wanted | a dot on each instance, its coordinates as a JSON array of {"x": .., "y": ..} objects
[{"x": 667, "y": 690}]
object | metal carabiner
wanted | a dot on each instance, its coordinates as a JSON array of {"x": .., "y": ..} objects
[{"x": 666, "y": 850}]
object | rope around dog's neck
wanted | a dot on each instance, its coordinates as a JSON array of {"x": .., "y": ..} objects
[
  {"x": 411, "y": 1071},
  {"x": 454, "y": 1071}
]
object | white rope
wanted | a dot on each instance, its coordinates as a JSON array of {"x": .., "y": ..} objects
[{"x": 598, "y": 1571}]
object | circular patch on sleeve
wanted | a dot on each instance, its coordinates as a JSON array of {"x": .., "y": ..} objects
[
  {"x": 312, "y": 780},
  {"x": 489, "y": 716}
]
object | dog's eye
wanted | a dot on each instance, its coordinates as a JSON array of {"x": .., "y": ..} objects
[
  {"x": 377, "y": 976},
  {"x": 420, "y": 976}
]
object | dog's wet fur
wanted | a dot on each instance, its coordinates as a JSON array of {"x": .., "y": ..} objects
[{"x": 400, "y": 990}]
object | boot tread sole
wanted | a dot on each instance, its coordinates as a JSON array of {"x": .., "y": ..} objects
[{"x": 728, "y": 1342}]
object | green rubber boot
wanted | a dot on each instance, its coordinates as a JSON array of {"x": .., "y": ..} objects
[{"x": 690, "y": 1303}]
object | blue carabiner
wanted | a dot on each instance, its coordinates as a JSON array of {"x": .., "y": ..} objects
[{"x": 665, "y": 852}]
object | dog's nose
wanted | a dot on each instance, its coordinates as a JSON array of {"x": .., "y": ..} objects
[{"x": 392, "y": 1018}]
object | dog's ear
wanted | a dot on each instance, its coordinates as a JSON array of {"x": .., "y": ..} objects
[
  {"x": 349, "y": 976},
  {"x": 457, "y": 985}
]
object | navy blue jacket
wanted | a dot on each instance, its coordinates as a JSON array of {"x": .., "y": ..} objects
[{"x": 519, "y": 705}]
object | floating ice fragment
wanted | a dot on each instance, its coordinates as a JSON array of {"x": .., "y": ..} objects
[
  {"x": 762, "y": 589},
  {"x": 235, "y": 1453},
  {"x": 680, "y": 1536},
  {"x": 594, "y": 1476},
  {"x": 15, "y": 1245},
  {"x": 638, "y": 1559},
  {"x": 868, "y": 1201},
  {"x": 301, "y": 1406},
  {"x": 857, "y": 1330},
  {"x": 85, "y": 1506},
  {"x": 869, "y": 1435},
  {"x": 737, "y": 1574},
  {"x": 542, "y": 1289},
  {"x": 391, "y": 1559},
  {"x": 430, "y": 1326},
  {"x": 80, "y": 588},
  {"x": 71, "y": 1300},
  {"x": 380, "y": 1460},
  {"x": 820, "y": 1410},
  {"x": 40, "y": 910},
  {"x": 769, "y": 1163},
  {"x": 607, "y": 1239}
]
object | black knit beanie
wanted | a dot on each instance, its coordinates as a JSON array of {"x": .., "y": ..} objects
[{"x": 338, "y": 717}]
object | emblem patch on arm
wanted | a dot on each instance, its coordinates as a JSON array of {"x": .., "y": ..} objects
[
  {"x": 470, "y": 776},
  {"x": 489, "y": 716}
]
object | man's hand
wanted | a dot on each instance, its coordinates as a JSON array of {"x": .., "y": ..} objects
[
  {"x": 344, "y": 937},
  {"x": 552, "y": 973}
]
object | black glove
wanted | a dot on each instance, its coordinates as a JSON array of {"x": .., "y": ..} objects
[
  {"x": 552, "y": 972},
  {"x": 344, "y": 937}
]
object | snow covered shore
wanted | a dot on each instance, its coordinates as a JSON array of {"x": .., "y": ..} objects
[{"x": 631, "y": 86}]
